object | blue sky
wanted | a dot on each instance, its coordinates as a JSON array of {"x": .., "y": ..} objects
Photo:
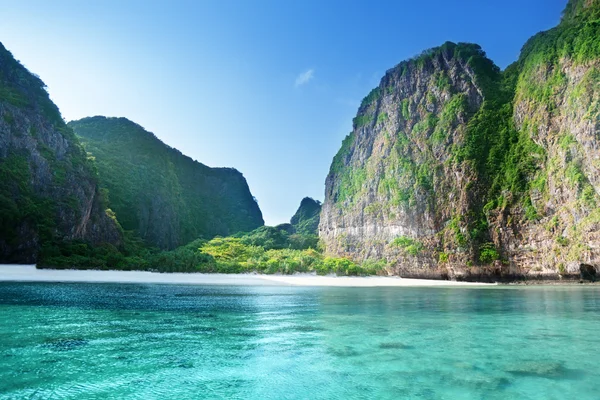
[{"x": 267, "y": 87}]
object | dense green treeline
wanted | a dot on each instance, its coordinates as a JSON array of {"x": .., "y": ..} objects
[{"x": 265, "y": 250}]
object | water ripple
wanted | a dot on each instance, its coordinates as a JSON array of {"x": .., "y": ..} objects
[{"x": 98, "y": 341}]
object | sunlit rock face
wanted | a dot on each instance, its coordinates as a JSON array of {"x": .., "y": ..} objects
[
  {"x": 394, "y": 176},
  {"x": 456, "y": 169}
]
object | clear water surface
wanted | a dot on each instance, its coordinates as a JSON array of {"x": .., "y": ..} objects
[{"x": 105, "y": 341}]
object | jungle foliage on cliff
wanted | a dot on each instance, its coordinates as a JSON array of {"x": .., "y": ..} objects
[
  {"x": 48, "y": 186},
  {"x": 306, "y": 219},
  {"x": 165, "y": 197},
  {"x": 455, "y": 168}
]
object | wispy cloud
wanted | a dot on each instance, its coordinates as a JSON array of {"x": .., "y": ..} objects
[{"x": 305, "y": 77}]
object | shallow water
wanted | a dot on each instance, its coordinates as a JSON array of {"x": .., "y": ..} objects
[{"x": 87, "y": 341}]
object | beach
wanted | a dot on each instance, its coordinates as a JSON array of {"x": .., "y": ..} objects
[{"x": 28, "y": 273}]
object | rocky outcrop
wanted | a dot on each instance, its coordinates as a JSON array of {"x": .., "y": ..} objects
[
  {"x": 457, "y": 170},
  {"x": 306, "y": 219},
  {"x": 48, "y": 191},
  {"x": 396, "y": 174},
  {"x": 164, "y": 196},
  {"x": 557, "y": 105}
]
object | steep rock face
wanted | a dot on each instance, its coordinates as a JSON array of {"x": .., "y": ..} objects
[
  {"x": 557, "y": 104},
  {"x": 48, "y": 190},
  {"x": 166, "y": 197},
  {"x": 454, "y": 169},
  {"x": 395, "y": 175},
  {"x": 306, "y": 219}
]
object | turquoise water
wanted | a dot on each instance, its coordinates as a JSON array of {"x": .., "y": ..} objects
[{"x": 100, "y": 341}]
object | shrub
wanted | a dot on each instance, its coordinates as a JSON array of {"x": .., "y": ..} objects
[
  {"x": 563, "y": 241},
  {"x": 443, "y": 257},
  {"x": 362, "y": 120},
  {"x": 409, "y": 245},
  {"x": 488, "y": 253}
]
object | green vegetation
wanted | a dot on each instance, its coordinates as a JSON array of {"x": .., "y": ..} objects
[
  {"x": 427, "y": 124},
  {"x": 22, "y": 89},
  {"x": 472, "y": 53},
  {"x": 362, "y": 120},
  {"x": 340, "y": 158},
  {"x": 506, "y": 160},
  {"x": 373, "y": 96},
  {"x": 442, "y": 81},
  {"x": 576, "y": 9},
  {"x": 575, "y": 175},
  {"x": 500, "y": 146},
  {"x": 576, "y": 37},
  {"x": 563, "y": 241},
  {"x": 488, "y": 253},
  {"x": 306, "y": 219},
  {"x": 17, "y": 201},
  {"x": 588, "y": 196},
  {"x": 382, "y": 118},
  {"x": 582, "y": 95},
  {"x": 404, "y": 109},
  {"x": 455, "y": 227},
  {"x": 13, "y": 97},
  {"x": 411, "y": 246},
  {"x": 351, "y": 182},
  {"x": 452, "y": 110},
  {"x": 29, "y": 214},
  {"x": 265, "y": 250},
  {"x": 366, "y": 116},
  {"x": 165, "y": 197},
  {"x": 82, "y": 255},
  {"x": 566, "y": 141}
]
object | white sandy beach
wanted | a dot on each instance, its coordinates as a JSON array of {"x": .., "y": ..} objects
[{"x": 28, "y": 273}]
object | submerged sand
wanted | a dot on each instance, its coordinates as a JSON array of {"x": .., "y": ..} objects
[{"x": 28, "y": 273}]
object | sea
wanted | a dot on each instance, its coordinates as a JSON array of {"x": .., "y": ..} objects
[{"x": 156, "y": 341}]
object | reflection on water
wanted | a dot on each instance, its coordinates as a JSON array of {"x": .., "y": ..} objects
[{"x": 157, "y": 341}]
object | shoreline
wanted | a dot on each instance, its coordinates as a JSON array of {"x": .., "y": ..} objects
[{"x": 29, "y": 273}]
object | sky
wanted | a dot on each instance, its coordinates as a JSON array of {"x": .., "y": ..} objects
[{"x": 267, "y": 87}]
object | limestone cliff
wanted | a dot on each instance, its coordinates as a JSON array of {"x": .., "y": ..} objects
[
  {"x": 306, "y": 219},
  {"x": 557, "y": 105},
  {"x": 164, "y": 196},
  {"x": 48, "y": 187},
  {"x": 456, "y": 169}
]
